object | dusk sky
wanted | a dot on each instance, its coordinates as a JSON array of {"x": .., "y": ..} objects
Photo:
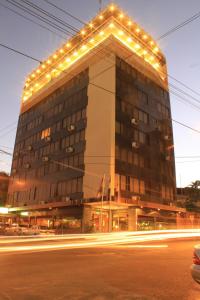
[{"x": 181, "y": 49}]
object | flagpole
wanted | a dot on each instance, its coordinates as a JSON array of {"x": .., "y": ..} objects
[{"x": 102, "y": 195}]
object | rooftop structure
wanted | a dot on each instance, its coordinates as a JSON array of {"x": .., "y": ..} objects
[{"x": 112, "y": 21}]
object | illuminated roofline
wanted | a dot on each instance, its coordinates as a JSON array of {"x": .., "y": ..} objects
[{"x": 110, "y": 21}]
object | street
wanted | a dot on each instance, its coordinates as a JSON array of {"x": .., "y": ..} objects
[{"x": 145, "y": 271}]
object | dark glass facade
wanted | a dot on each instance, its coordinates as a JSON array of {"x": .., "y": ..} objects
[
  {"x": 144, "y": 139},
  {"x": 50, "y": 137}
]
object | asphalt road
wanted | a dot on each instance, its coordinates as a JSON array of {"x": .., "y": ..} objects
[{"x": 101, "y": 273}]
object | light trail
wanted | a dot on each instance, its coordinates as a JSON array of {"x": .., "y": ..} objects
[
  {"x": 99, "y": 240},
  {"x": 142, "y": 246}
]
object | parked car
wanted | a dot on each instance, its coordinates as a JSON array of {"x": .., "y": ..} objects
[
  {"x": 16, "y": 229},
  {"x": 195, "y": 268}
]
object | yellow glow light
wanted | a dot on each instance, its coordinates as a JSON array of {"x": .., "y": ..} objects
[
  {"x": 25, "y": 98},
  {"x": 156, "y": 49},
  {"x": 112, "y": 7},
  {"x": 84, "y": 47},
  {"x": 31, "y": 89},
  {"x": 127, "y": 39},
  {"x": 137, "y": 46}
]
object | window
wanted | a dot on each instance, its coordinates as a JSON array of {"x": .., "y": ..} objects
[
  {"x": 124, "y": 155},
  {"x": 45, "y": 133},
  {"x": 142, "y": 97},
  {"x": 142, "y": 187},
  {"x": 123, "y": 183},
  {"x": 127, "y": 183},
  {"x": 130, "y": 157}
]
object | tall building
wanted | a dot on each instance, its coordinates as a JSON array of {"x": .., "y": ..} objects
[
  {"x": 4, "y": 180},
  {"x": 94, "y": 144}
]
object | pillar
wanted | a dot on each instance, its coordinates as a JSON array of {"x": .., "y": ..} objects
[
  {"x": 132, "y": 218},
  {"x": 87, "y": 225}
]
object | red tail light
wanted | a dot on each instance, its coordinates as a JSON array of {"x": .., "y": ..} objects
[{"x": 196, "y": 259}]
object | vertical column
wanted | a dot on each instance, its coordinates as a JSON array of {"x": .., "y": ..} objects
[
  {"x": 100, "y": 131},
  {"x": 132, "y": 218},
  {"x": 87, "y": 219}
]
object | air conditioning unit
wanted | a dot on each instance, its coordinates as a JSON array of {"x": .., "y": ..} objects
[
  {"x": 14, "y": 171},
  {"x": 29, "y": 148},
  {"x": 69, "y": 149},
  {"x": 27, "y": 166},
  {"x": 71, "y": 127},
  {"x": 167, "y": 157},
  {"x": 45, "y": 158},
  {"x": 135, "y": 198},
  {"x": 66, "y": 199},
  {"x": 47, "y": 139},
  {"x": 135, "y": 145},
  {"x": 134, "y": 121},
  {"x": 166, "y": 137},
  {"x": 16, "y": 154}
]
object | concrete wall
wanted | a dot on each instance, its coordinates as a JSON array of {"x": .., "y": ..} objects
[{"x": 100, "y": 131}]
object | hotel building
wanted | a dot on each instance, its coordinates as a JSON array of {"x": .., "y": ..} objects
[{"x": 94, "y": 144}]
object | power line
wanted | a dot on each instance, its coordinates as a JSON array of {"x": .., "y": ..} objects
[
  {"x": 65, "y": 12},
  {"x": 28, "y": 56},
  {"x": 19, "y": 52},
  {"x": 186, "y": 126},
  {"x": 191, "y": 156},
  {"x": 39, "y": 17},
  {"x": 38, "y": 8},
  {"x": 76, "y": 30},
  {"x": 179, "y": 26},
  {"x": 32, "y": 21}
]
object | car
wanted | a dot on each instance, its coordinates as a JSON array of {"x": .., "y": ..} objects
[
  {"x": 16, "y": 229},
  {"x": 195, "y": 268}
]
